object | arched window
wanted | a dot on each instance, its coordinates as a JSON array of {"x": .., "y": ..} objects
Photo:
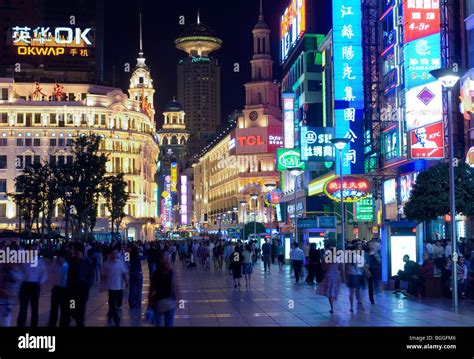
[
  {"x": 174, "y": 140},
  {"x": 165, "y": 141}
]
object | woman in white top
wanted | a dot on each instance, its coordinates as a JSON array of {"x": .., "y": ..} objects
[{"x": 248, "y": 265}]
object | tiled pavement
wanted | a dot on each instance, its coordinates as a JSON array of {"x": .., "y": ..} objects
[{"x": 274, "y": 299}]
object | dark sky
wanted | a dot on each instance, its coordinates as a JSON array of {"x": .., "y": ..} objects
[{"x": 232, "y": 21}]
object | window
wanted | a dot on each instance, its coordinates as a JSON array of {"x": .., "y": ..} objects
[
  {"x": 3, "y": 162},
  {"x": 28, "y": 142},
  {"x": 28, "y": 161},
  {"x": 4, "y": 94},
  {"x": 3, "y": 185},
  {"x": 19, "y": 142},
  {"x": 52, "y": 160},
  {"x": 69, "y": 160},
  {"x": 19, "y": 162},
  {"x": 53, "y": 119},
  {"x": 20, "y": 118},
  {"x": 69, "y": 142},
  {"x": 61, "y": 160},
  {"x": 4, "y": 117},
  {"x": 52, "y": 142},
  {"x": 37, "y": 119},
  {"x": 3, "y": 142},
  {"x": 3, "y": 210},
  {"x": 61, "y": 142},
  {"x": 36, "y": 142},
  {"x": 37, "y": 159}
]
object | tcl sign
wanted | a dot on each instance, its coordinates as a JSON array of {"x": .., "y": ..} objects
[{"x": 250, "y": 140}]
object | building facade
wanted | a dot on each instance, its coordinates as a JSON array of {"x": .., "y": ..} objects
[
  {"x": 238, "y": 169},
  {"x": 39, "y": 121},
  {"x": 199, "y": 84},
  {"x": 173, "y": 138}
]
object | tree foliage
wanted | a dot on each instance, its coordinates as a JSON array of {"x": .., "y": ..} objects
[
  {"x": 250, "y": 228},
  {"x": 116, "y": 196},
  {"x": 429, "y": 198}
]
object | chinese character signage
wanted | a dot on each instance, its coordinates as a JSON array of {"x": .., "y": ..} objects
[
  {"x": 174, "y": 177},
  {"x": 288, "y": 120},
  {"x": 292, "y": 27},
  {"x": 422, "y": 53},
  {"x": 365, "y": 210},
  {"x": 422, "y": 18},
  {"x": 428, "y": 142},
  {"x": 52, "y": 41},
  {"x": 316, "y": 144},
  {"x": 354, "y": 189},
  {"x": 289, "y": 159},
  {"x": 348, "y": 83}
]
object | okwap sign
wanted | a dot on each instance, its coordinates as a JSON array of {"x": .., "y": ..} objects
[
  {"x": 423, "y": 93},
  {"x": 51, "y": 41},
  {"x": 348, "y": 83}
]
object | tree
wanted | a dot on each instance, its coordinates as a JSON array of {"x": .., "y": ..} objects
[
  {"x": 429, "y": 198},
  {"x": 250, "y": 228},
  {"x": 116, "y": 196}
]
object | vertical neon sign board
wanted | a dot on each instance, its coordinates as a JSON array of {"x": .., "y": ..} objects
[
  {"x": 348, "y": 83},
  {"x": 288, "y": 120},
  {"x": 422, "y": 53}
]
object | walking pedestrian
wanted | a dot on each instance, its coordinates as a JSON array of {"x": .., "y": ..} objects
[
  {"x": 248, "y": 265},
  {"x": 162, "y": 294},
  {"x": 281, "y": 255},
  {"x": 59, "y": 292},
  {"x": 266, "y": 255},
  {"x": 329, "y": 287},
  {"x": 236, "y": 265},
  {"x": 297, "y": 260},
  {"x": 34, "y": 277},
  {"x": 135, "y": 279},
  {"x": 11, "y": 278}
]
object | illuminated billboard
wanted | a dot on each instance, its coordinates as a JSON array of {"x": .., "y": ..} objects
[
  {"x": 289, "y": 159},
  {"x": 292, "y": 27},
  {"x": 428, "y": 142},
  {"x": 348, "y": 83},
  {"x": 174, "y": 177},
  {"x": 315, "y": 143},
  {"x": 406, "y": 185},
  {"x": 184, "y": 200},
  {"x": 422, "y": 54},
  {"x": 288, "y": 120},
  {"x": 51, "y": 41}
]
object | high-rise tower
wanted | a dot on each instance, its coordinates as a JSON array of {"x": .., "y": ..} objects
[{"x": 199, "y": 83}]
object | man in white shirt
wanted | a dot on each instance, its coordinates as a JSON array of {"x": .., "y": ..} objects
[
  {"x": 448, "y": 250},
  {"x": 33, "y": 278},
  {"x": 297, "y": 260},
  {"x": 114, "y": 276}
]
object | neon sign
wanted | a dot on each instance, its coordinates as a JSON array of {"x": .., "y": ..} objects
[
  {"x": 289, "y": 120},
  {"x": 316, "y": 144},
  {"x": 289, "y": 158},
  {"x": 354, "y": 189},
  {"x": 422, "y": 53},
  {"x": 348, "y": 83},
  {"x": 50, "y": 41},
  {"x": 174, "y": 177},
  {"x": 292, "y": 26}
]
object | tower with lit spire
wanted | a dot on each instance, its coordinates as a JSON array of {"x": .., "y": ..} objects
[
  {"x": 262, "y": 105},
  {"x": 199, "y": 82},
  {"x": 141, "y": 84}
]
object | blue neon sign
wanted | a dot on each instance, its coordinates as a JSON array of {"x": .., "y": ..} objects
[{"x": 348, "y": 83}]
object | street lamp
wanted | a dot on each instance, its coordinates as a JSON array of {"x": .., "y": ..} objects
[
  {"x": 295, "y": 172},
  {"x": 255, "y": 197},
  {"x": 271, "y": 187},
  {"x": 448, "y": 79},
  {"x": 242, "y": 203},
  {"x": 340, "y": 143}
]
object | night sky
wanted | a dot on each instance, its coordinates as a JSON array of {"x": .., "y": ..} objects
[{"x": 232, "y": 21}]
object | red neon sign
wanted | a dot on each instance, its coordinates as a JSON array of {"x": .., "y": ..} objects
[{"x": 353, "y": 189}]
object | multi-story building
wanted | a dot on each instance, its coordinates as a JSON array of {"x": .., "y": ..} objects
[
  {"x": 39, "y": 121},
  {"x": 173, "y": 138},
  {"x": 240, "y": 163},
  {"x": 301, "y": 89},
  {"x": 199, "y": 84},
  {"x": 52, "y": 41}
]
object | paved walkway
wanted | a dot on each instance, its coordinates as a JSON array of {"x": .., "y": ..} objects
[{"x": 274, "y": 299}]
